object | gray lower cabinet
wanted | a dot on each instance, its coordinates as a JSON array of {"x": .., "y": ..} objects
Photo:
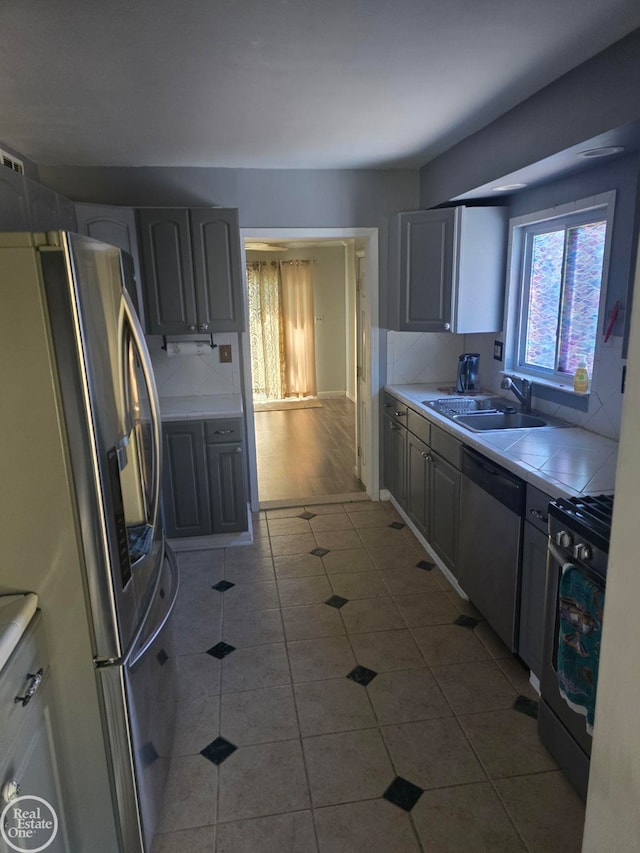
[
  {"x": 28, "y": 753},
  {"x": 394, "y": 447},
  {"x": 225, "y": 466},
  {"x": 445, "y": 511},
  {"x": 433, "y": 498},
  {"x": 534, "y": 573},
  {"x": 192, "y": 275},
  {"x": 204, "y": 479},
  {"x": 419, "y": 463}
]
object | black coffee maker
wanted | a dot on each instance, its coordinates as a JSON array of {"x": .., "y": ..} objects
[{"x": 468, "y": 365}]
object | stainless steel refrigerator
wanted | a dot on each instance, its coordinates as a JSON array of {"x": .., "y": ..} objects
[{"x": 111, "y": 435}]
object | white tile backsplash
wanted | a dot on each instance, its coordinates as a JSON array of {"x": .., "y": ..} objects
[
  {"x": 605, "y": 400},
  {"x": 196, "y": 375},
  {"x": 416, "y": 357}
]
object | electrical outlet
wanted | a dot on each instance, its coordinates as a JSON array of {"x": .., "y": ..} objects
[
  {"x": 497, "y": 350},
  {"x": 225, "y": 353}
]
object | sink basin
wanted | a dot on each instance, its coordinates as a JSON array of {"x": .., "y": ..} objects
[{"x": 480, "y": 421}]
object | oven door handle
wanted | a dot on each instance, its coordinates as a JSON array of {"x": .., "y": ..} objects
[{"x": 556, "y": 555}]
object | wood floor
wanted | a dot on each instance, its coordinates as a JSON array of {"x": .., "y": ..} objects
[{"x": 307, "y": 453}]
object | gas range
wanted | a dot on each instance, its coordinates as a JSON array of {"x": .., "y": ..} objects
[{"x": 581, "y": 529}]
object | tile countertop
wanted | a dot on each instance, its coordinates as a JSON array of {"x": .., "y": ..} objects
[
  {"x": 563, "y": 462},
  {"x": 199, "y": 408}
]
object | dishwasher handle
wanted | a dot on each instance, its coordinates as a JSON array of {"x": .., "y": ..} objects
[{"x": 501, "y": 484}]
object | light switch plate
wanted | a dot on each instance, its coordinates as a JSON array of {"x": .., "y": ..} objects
[
  {"x": 225, "y": 353},
  {"x": 497, "y": 350}
]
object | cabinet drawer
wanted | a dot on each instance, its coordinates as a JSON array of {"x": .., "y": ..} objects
[
  {"x": 447, "y": 446},
  {"x": 223, "y": 429},
  {"x": 536, "y": 511},
  {"x": 396, "y": 410},
  {"x": 419, "y": 426},
  {"x": 28, "y": 657}
]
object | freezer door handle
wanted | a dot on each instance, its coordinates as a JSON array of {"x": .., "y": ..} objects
[
  {"x": 137, "y": 336},
  {"x": 175, "y": 585},
  {"x": 100, "y": 663}
]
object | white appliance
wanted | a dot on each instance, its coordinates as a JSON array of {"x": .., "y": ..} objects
[{"x": 101, "y": 378}]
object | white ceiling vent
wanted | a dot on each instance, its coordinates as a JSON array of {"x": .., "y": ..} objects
[{"x": 11, "y": 161}]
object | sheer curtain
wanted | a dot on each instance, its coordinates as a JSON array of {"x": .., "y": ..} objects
[
  {"x": 298, "y": 329},
  {"x": 265, "y": 330}
]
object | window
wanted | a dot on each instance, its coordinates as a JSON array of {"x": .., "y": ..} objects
[{"x": 559, "y": 263}]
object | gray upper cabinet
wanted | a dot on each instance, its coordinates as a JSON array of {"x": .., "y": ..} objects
[
  {"x": 215, "y": 244},
  {"x": 447, "y": 270},
  {"x": 117, "y": 227},
  {"x": 192, "y": 278},
  {"x": 14, "y": 209}
]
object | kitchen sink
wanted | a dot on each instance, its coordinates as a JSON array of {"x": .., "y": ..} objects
[
  {"x": 493, "y": 413},
  {"x": 481, "y": 421}
]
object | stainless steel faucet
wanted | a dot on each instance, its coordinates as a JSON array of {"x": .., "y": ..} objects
[{"x": 523, "y": 393}]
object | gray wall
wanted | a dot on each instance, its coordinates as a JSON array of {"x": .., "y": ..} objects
[{"x": 597, "y": 96}]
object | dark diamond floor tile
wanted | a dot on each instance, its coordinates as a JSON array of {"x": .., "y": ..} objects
[
  {"x": 362, "y": 675},
  {"x": 337, "y": 601},
  {"x": 218, "y": 750},
  {"x": 307, "y": 515},
  {"x": 426, "y": 565},
  {"x": 397, "y": 525},
  {"x": 220, "y": 650},
  {"x": 162, "y": 657},
  {"x": 223, "y": 586},
  {"x": 319, "y": 552},
  {"x": 403, "y": 794},
  {"x": 526, "y": 706},
  {"x": 466, "y": 621}
]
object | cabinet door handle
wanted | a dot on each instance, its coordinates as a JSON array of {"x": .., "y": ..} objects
[
  {"x": 204, "y": 327},
  {"x": 35, "y": 680},
  {"x": 238, "y": 450},
  {"x": 223, "y": 431},
  {"x": 400, "y": 414},
  {"x": 446, "y": 326}
]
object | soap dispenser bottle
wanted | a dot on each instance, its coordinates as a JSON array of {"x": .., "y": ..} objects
[{"x": 581, "y": 377}]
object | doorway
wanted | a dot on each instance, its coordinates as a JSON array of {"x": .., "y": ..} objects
[{"x": 322, "y": 449}]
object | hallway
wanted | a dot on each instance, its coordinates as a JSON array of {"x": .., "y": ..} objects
[
  {"x": 336, "y": 695},
  {"x": 307, "y": 453}
]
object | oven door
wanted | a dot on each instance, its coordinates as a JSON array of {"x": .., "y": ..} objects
[{"x": 574, "y": 722}]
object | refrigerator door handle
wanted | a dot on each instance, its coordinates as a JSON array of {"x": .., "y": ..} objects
[
  {"x": 137, "y": 337},
  {"x": 175, "y": 585},
  {"x": 100, "y": 663}
]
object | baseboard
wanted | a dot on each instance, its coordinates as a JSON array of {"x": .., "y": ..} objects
[
  {"x": 321, "y": 395},
  {"x": 436, "y": 559}
]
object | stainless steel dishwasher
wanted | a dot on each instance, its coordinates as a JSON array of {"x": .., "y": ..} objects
[{"x": 491, "y": 510}]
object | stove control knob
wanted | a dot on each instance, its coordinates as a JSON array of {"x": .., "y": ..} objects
[
  {"x": 582, "y": 551},
  {"x": 564, "y": 539}
]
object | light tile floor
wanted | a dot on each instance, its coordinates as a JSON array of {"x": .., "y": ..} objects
[{"x": 319, "y": 680}]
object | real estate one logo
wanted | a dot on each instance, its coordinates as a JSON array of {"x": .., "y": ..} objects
[{"x": 29, "y": 823}]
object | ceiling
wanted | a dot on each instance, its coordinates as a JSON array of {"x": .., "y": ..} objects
[{"x": 280, "y": 83}]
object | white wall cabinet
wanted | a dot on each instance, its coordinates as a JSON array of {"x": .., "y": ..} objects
[{"x": 447, "y": 270}]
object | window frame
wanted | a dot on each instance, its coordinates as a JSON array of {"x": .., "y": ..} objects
[{"x": 581, "y": 212}]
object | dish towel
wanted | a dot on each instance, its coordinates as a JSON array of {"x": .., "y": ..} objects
[{"x": 581, "y": 602}]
